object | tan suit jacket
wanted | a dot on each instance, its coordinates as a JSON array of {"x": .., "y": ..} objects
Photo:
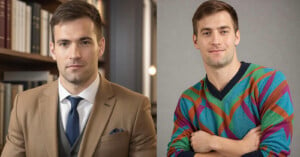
[{"x": 33, "y": 128}]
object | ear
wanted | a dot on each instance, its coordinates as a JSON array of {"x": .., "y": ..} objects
[
  {"x": 237, "y": 38},
  {"x": 195, "y": 41},
  {"x": 101, "y": 44},
  {"x": 52, "y": 47}
]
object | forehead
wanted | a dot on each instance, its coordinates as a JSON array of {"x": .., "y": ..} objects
[
  {"x": 215, "y": 21},
  {"x": 74, "y": 28}
]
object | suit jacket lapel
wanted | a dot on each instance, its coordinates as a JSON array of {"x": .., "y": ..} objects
[
  {"x": 48, "y": 115},
  {"x": 99, "y": 116}
]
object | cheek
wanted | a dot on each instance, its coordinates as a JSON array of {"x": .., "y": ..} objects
[
  {"x": 60, "y": 59},
  {"x": 60, "y": 63},
  {"x": 90, "y": 57},
  {"x": 230, "y": 42},
  {"x": 202, "y": 43}
]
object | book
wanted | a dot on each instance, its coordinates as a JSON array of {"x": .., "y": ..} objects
[
  {"x": 36, "y": 27},
  {"x": 44, "y": 32},
  {"x": 8, "y": 92},
  {"x": 22, "y": 26},
  {"x": 13, "y": 25},
  {"x": 2, "y": 136},
  {"x": 8, "y": 24},
  {"x": 2, "y": 23},
  {"x": 28, "y": 29},
  {"x": 18, "y": 24}
]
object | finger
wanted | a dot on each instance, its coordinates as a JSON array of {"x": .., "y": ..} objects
[
  {"x": 260, "y": 134},
  {"x": 253, "y": 130},
  {"x": 258, "y": 141},
  {"x": 259, "y": 127},
  {"x": 256, "y": 129}
]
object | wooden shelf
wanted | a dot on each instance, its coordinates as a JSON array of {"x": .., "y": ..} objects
[{"x": 12, "y": 61}]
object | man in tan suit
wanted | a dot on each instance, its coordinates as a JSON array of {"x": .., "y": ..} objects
[{"x": 81, "y": 114}]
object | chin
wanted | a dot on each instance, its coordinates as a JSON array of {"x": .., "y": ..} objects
[
  {"x": 74, "y": 79},
  {"x": 217, "y": 64}
]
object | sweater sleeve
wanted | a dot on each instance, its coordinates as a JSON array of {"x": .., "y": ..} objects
[
  {"x": 183, "y": 128},
  {"x": 276, "y": 113}
]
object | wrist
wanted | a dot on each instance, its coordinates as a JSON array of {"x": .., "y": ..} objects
[
  {"x": 243, "y": 146},
  {"x": 214, "y": 143}
]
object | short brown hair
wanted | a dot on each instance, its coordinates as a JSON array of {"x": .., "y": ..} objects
[
  {"x": 73, "y": 10},
  {"x": 211, "y": 7}
]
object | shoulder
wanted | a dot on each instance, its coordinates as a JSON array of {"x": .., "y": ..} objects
[
  {"x": 39, "y": 90},
  {"x": 34, "y": 93},
  {"x": 258, "y": 72},
  {"x": 193, "y": 92},
  {"x": 27, "y": 102},
  {"x": 265, "y": 80}
]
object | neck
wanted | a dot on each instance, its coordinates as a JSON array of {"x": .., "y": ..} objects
[
  {"x": 76, "y": 88},
  {"x": 220, "y": 77}
]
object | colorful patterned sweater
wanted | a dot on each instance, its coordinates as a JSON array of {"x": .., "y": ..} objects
[{"x": 255, "y": 96}]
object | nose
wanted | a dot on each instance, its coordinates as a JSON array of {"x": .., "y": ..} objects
[
  {"x": 74, "y": 52},
  {"x": 216, "y": 39}
]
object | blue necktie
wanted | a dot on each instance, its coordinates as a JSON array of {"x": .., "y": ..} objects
[{"x": 73, "y": 129}]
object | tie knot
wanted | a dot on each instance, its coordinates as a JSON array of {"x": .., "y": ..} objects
[{"x": 74, "y": 101}]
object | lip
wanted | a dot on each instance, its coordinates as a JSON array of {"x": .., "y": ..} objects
[
  {"x": 75, "y": 66},
  {"x": 215, "y": 51}
]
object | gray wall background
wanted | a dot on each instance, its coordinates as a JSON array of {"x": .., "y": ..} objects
[
  {"x": 270, "y": 36},
  {"x": 126, "y": 21}
]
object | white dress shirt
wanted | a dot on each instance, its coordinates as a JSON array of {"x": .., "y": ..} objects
[{"x": 84, "y": 107}]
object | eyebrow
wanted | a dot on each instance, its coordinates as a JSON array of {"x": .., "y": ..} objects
[
  {"x": 209, "y": 29},
  {"x": 205, "y": 29},
  {"x": 67, "y": 40},
  {"x": 224, "y": 27},
  {"x": 85, "y": 38},
  {"x": 62, "y": 40}
]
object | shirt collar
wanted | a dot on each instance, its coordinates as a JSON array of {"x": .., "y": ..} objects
[{"x": 88, "y": 94}]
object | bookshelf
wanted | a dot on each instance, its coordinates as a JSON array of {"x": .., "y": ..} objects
[
  {"x": 23, "y": 60},
  {"x": 13, "y": 60}
]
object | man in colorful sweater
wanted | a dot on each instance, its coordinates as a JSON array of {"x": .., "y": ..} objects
[{"x": 238, "y": 109}]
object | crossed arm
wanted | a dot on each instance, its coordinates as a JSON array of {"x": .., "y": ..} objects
[{"x": 205, "y": 144}]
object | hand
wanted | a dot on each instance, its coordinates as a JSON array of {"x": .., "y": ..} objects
[
  {"x": 200, "y": 141},
  {"x": 251, "y": 141}
]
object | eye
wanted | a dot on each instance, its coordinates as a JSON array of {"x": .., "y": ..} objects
[
  {"x": 224, "y": 32},
  {"x": 85, "y": 42},
  {"x": 63, "y": 44},
  {"x": 206, "y": 33}
]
